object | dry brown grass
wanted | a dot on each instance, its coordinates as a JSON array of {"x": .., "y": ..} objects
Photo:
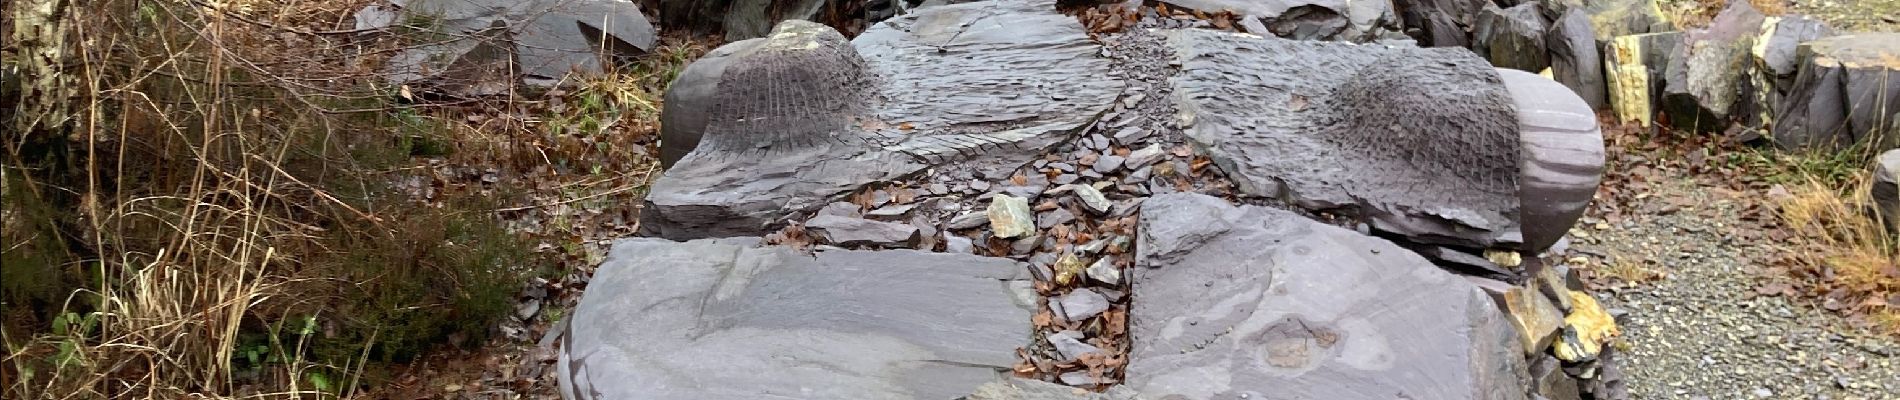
[{"x": 1842, "y": 252}]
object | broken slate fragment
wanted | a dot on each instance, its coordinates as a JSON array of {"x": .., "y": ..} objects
[
  {"x": 1054, "y": 217},
  {"x": 1092, "y": 199},
  {"x": 1109, "y": 163},
  {"x": 1105, "y": 271},
  {"x": 659, "y": 311},
  {"x": 1010, "y": 216},
  {"x": 854, "y": 232},
  {"x": 1536, "y": 319},
  {"x": 1249, "y": 299},
  {"x": 1082, "y": 304},
  {"x": 1070, "y": 345}
]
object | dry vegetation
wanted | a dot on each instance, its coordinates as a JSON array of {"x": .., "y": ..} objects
[
  {"x": 229, "y": 202},
  {"x": 1840, "y": 253}
]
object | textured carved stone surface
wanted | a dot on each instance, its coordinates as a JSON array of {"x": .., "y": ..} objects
[
  {"x": 1262, "y": 303},
  {"x": 719, "y": 319},
  {"x": 1341, "y": 126}
]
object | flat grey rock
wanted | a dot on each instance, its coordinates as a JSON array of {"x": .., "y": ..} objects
[
  {"x": 1331, "y": 126},
  {"x": 977, "y": 89},
  {"x": 854, "y": 232},
  {"x": 1023, "y": 389},
  {"x": 717, "y": 319},
  {"x": 1081, "y": 304},
  {"x": 1263, "y": 303},
  {"x": 542, "y": 41}
]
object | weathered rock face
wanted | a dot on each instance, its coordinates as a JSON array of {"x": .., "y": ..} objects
[
  {"x": 541, "y": 40},
  {"x": 1574, "y": 60},
  {"x": 1562, "y": 160},
  {"x": 1886, "y": 191},
  {"x": 1705, "y": 81},
  {"x": 808, "y": 118},
  {"x": 1340, "y": 126},
  {"x": 1633, "y": 66},
  {"x": 1775, "y": 63},
  {"x": 1847, "y": 92},
  {"x": 1613, "y": 18},
  {"x": 719, "y": 319},
  {"x": 1513, "y": 37},
  {"x": 1257, "y": 302}
]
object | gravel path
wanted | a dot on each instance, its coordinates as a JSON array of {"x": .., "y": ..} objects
[{"x": 1702, "y": 332}]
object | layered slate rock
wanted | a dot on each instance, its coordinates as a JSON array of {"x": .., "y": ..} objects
[
  {"x": 776, "y": 127},
  {"x": 1562, "y": 156},
  {"x": 1420, "y": 142},
  {"x": 1513, "y": 37},
  {"x": 1705, "y": 82},
  {"x": 1634, "y": 66},
  {"x": 721, "y": 319},
  {"x": 540, "y": 40},
  {"x": 1253, "y": 302},
  {"x": 1574, "y": 59},
  {"x": 1776, "y": 63},
  {"x": 1846, "y": 93},
  {"x": 1440, "y": 23}
]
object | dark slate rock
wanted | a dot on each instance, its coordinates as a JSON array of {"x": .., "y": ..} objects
[
  {"x": 1847, "y": 92},
  {"x": 1574, "y": 60},
  {"x": 1109, "y": 163},
  {"x": 1512, "y": 38},
  {"x": 1343, "y": 126},
  {"x": 1441, "y": 23},
  {"x": 663, "y": 318},
  {"x": 818, "y": 118},
  {"x": 1613, "y": 18},
  {"x": 1258, "y": 302},
  {"x": 1080, "y": 305},
  {"x": 1069, "y": 344},
  {"x": 746, "y": 19},
  {"x": 1306, "y": 19},
  {"x": 1776, "y": 63},
  {"x": 1707, "y": 73},
  {"x": 540, "y": 40},
  {"x": 854, "y": 232},
  {"x": 1054, "y": 217},
  {"x": 1562, "y": 152},
  {"x": 842, "y": 209},
  {"x": 954, "y": 244},
  {"x": 1886, "y": 190}
]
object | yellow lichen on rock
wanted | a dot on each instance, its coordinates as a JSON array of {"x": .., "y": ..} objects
[{"x": 1586, "y": 329}]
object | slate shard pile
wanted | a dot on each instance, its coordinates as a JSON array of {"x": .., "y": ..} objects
[{"x": 497, "y": 44}]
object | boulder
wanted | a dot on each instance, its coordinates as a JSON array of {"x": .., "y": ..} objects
[
  {"x": 1336, "y": 126},
  {"x": 1613, "y": 18},
  {"x": 1512, "y": 38},
  {"x": 1886, "y": 190},
  {"x": 1249, "y": 301},
  {"x": 1707, "y": 74},
  {"x": 746, "y": 19},
  {"x": 1574, "y": 59},
  {"x": 1775, "y": 65},
  {"x": 1847, "y": 92},
  {"x": 1562, "y": 156},
  {"x": 1440, "y": 23},
  {"x": 722, "y": 319},
  {"x": 495, "y": 41},
  {"x": 818, "y": 118},
  {"x": 1633, "y": 66}
]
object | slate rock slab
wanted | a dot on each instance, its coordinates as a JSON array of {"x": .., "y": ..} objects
[
  {"x": 1776, "y": 62},
  {"x": 1847, "y": 92},
  {"x": 721, "y": 319},
  {"x": 1422, "y": 142},
  {"x": 1440, "y": 23},
  {"x": 1256, "y": 302},
  {"x": 540, "y": 40},
  {"x": 1358, "y": 20},
  {"x": 771, "y": 128}
]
